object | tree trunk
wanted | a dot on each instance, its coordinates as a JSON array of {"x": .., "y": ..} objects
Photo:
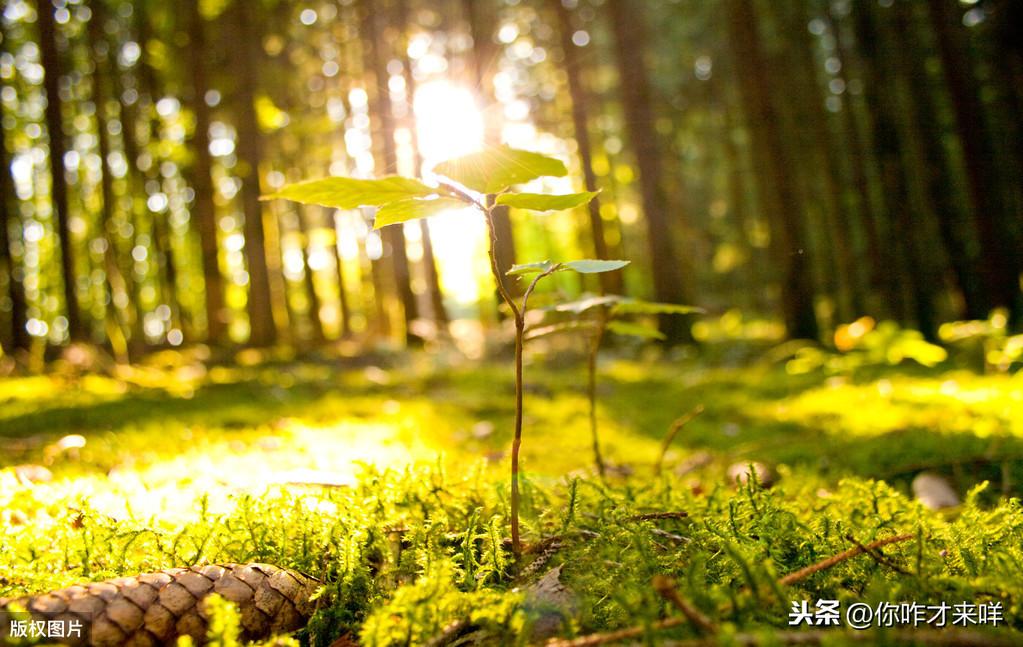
[
  {"x": 1003, "y": 260},
  {"x": 665, "y": 261},
  {"x": 953, "y": 225},
  {"x": 309, "y": 277},
  {"x": 246, "y": 61},
  {"x": 878, "y": 256},
  {"x": 850, "y": 295},
  {"x": 482, "y": 63},
  {"x": 890, "y": 149},
  {"x": 394, "y": 236},
  {"x": 203, "y": 208},
  {"x": 436, "y": 296},
  {"x": 610, "y": 282},
  {"x": 776, "y": 188},
  {"x": 116, "y": 287},
  {"x": 16, "y": 337},
  {"x": 50, "y": 57}
]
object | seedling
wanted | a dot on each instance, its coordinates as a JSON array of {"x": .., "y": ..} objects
[
  {"x": 483, "y": 181},
  {"x": 600, "y": 315}
]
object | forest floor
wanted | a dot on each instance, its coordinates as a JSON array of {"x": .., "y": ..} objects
[{"x": 320, "y": 463}]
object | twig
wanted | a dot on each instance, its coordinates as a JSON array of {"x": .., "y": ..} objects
[
  {"x": 877, "y": 556},
  {"x": 615, "y": 636},
  {"x": 672, "y": 432},
  {"x": 665, "y": 587},
  {"x": 652, "y": 516},
  {"x": 803, "y": 573}
]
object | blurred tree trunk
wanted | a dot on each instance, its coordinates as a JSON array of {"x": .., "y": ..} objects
[
  {"x": 482, "y": 63},
  {"x": 203, "y": 208},
  {"x": 825, "y": 156},
  {"x": 776, "y": 186},
  {"x": 116, "y": 289},
  {"x": 162, "y": 252},
  {"x": 436, "y": 296},
  {"x": 953, "y": 225},
  {"x": 884, "y": 290},
  {"x": 245, "y": 62},
  {"x": 610, "y": 282},
  {"x": 49, "y": 56},
  {"x": 1003, "y": 260},
  {"x": 309, "y": 276},
  {"x": 665, "y": 261},
  {"x": 891, "y": 150},
  {"x": 16, "y": 336},
  {"x": 394, "y": 237}
]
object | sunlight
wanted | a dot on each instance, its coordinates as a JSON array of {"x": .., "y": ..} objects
[{"x": 450, "y": 124}]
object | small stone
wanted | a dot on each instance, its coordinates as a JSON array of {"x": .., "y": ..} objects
[
  {"x": 739, "y": 473},
  {"x": 482, "y": 429},
  {"x": 29, "y": 474},
  {"x": 934, "y": 492},
  {"x": 550, "y": 605}
]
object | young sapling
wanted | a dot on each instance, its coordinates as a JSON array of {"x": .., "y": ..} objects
[{"x": 484, "y": 181}]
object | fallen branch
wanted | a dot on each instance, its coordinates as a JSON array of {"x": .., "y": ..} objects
[
  {"x": 878, "y": 557},
  {"x": 825, "y": 564},
  {"x": 615, "y": 636},
  {"x": 654, "y": 516},
  {"x": 665, "y": 587},
  {"x": 672, "y": 432}
]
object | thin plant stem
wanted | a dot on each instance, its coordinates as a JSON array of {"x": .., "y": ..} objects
[{"x": 595, "y": 341}]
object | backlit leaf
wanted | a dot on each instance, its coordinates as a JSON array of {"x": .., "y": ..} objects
[
  {"x": 638, "y": 306},
  {"x": 495, "y": 169},
  {"x": 529, "y": 268},
  {"x": 413, "y": 208},
  {"x": 590, "y": 266},
  {"x": 634, "y": 330},
  {"x": 350, "y": 193},
  {"x": 545, "y": 202}
]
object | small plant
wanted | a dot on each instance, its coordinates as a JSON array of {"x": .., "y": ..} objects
[
  {"x": 600, "y": 315},
  {"x": 481, "y": 180}
]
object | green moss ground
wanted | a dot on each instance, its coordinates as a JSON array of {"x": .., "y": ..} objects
[{"x": 186, "y": 463}]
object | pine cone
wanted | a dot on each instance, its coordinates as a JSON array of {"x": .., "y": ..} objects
[{"x": 156, "y": 608}]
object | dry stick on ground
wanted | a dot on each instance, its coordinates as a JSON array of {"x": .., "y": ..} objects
[
  {"x": 878, "y": 557},
  {"x": 653, "y": 516},
  {"x": 672, "y": 432},
  {"x": 824, "y": 564},
  {"x": 665, "y": 587}
]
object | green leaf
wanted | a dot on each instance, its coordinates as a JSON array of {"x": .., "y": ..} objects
[
  {"x": 584, "y": 304},
  {"x": 530, "y": 268},
  {"x": 545, "y": 202},
  {"x": 634, "y": 330},
  {"x": 560, "y": 327},
  {"x": 589, "y": 266},
  {"x": 413, "y": 208},
  {"x": 350, "y": 193},
  {"x": 638, "y": 306},
  {"x": 495, "y": 169}
]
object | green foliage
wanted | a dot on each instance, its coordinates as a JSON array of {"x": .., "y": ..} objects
[
  {"x": 396, "y": 548},
  {"x": 351, "y": 193},
  {"x": 628, "y": 329},
  {"x": 545, "y": 202},
  {"x": 496, "y": 169},
  {"x": 413, "y": 208},
  {"x": 582, "y": 267}
]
